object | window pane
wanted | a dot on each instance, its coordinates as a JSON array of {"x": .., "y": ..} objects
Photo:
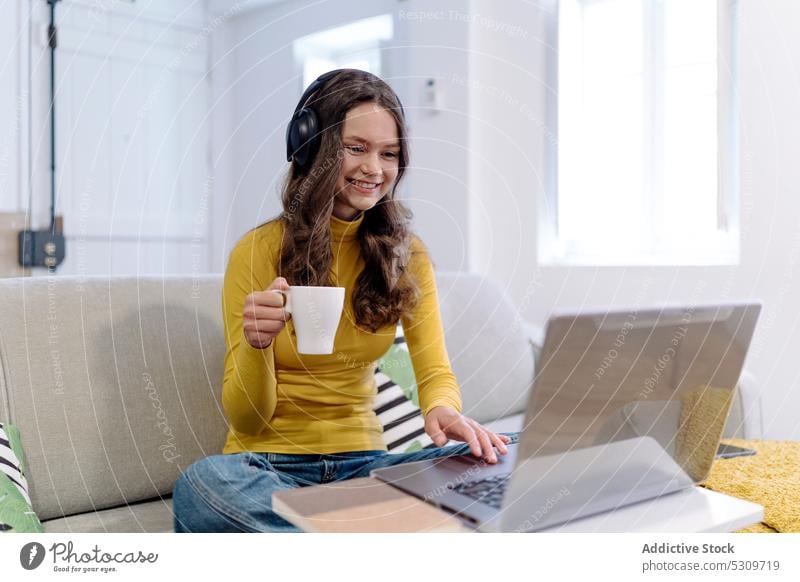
[
  {"x": 638, "y": 133},
  {"x": 690, "y": 128},
  {"x": 690, "y": 150},
  {"x": 690, "y": 31},
  {"x": 600, "y": 124}
]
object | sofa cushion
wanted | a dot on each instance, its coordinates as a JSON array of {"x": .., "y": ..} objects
[
  {"x": 12, "y": 459},
  {"x": 154, "y": 516},
  {"x": 397, "y": 401},
  {"x": 16, "y": 513},
  {"x": 401, "y": 419}
]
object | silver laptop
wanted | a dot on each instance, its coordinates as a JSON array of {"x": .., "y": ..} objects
[{"x": 626, "y": 406}]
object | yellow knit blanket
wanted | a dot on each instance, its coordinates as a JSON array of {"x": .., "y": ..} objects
[{"x": 770, "y": 478}]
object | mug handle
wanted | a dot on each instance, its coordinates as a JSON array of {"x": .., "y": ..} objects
[{"x": 287, "y": 301}]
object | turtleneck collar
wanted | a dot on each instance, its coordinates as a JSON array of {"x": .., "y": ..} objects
[{"x": 345, "y": 230}]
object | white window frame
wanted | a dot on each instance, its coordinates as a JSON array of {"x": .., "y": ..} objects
[{"x": 724, "y": 250}]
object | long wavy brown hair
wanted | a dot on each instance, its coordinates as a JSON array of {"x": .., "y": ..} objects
[{"x": 384, "y": 291}]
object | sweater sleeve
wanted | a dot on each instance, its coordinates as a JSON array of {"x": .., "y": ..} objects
[
  {"x": 424, "y": 335},
  {"x": 249, "y": 386}
]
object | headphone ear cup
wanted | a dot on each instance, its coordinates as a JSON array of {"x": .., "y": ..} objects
[{"x": 302, "y": 137}]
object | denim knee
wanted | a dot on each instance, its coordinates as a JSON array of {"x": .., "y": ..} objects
[
  {"x": 229, "y": 493},
  {"x": 195, "y": 496},
  {"x": 190, "y": 512}
]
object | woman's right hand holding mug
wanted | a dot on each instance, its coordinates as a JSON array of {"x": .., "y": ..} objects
[{"x": 263, "y": 316}]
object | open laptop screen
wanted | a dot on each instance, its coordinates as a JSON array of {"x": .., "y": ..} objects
[{"x": 669, "y": 374}]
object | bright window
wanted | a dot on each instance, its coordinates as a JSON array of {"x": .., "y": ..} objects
[
  {"x": 643, "y": 167},
  {"x": 356, "y": 45}
]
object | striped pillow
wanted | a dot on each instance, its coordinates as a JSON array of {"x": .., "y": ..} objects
[
  {"x": 16, "y": 513},
  {"x": 397, "y": 402}
]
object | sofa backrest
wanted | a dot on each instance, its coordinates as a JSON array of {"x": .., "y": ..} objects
[
  {"x": 115, "y": 382},
  {"x": 488, "y": 348}
]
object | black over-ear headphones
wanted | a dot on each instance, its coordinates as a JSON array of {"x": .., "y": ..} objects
[
  {"x": 303, "y": 135},
  {"x": 303, "y": 132}
]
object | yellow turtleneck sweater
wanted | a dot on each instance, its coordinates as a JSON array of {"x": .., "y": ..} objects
[{"x": 279, "y": 401}]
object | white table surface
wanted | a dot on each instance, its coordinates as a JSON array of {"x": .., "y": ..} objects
[{"x": 691, "y": 510}]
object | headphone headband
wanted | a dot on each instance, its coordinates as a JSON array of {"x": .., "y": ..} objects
[{"x": 312, "y": 88}]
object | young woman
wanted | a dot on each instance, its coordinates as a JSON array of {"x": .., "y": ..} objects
[{"x": 295, "y": 419}]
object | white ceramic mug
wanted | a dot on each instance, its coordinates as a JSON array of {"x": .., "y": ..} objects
[{"x": 316, "y": 312}]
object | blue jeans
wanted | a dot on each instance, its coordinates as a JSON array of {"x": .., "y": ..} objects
[{"x": 233, "y": 493}]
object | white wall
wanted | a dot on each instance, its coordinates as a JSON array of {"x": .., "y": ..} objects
[
  {"x": 438, "y": 47},
  {"x": 131, "y": 131},
  {"x": 507, "y": 163},
  {"x": 13, "y": 105},
  {"x": 256, "y": 87}
]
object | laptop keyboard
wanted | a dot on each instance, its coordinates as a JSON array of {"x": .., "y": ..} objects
[{"x": 489, "y": 490}]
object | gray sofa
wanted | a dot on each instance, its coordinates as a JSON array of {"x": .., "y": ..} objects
[{"x": 115, "y": 385}]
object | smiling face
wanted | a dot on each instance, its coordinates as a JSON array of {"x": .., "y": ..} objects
[{"x": 371, "y": 160}]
